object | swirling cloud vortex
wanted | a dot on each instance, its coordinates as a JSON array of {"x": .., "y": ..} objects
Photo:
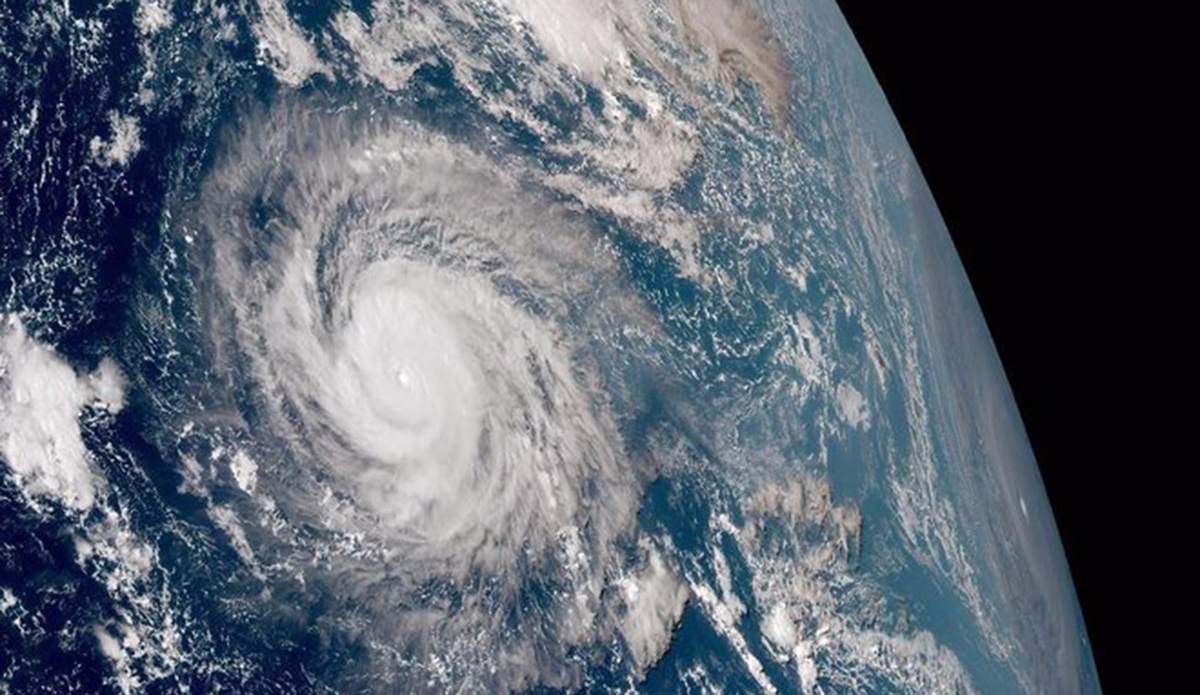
[{"x": 419, "y": 328}]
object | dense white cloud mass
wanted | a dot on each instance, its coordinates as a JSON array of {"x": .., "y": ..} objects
[{"x": 41, "y": 397}]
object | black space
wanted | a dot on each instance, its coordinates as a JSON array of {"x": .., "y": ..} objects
[{"x": 1013, "y": 112}]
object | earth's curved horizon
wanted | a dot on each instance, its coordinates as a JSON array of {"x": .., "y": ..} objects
[{"x": 496, "y": 346}]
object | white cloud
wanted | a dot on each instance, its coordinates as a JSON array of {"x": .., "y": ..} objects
[
  {"x": 852, "y": 406},
  {"x": 283, "y": 46},
  {"x": 245, "y": 471},
  {"x": 125, "y": 143},
  {"x": 40, "y": 400},
  {"x": 153, "y": 16},
  {"x": 654, "y": 600}
]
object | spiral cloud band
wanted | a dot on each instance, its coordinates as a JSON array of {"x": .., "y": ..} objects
[{"x": 424, "y": 333}]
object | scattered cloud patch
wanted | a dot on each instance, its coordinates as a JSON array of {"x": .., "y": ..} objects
[
  {"x": 153, "y": 16},
  {"x": 124, "y": 142}
]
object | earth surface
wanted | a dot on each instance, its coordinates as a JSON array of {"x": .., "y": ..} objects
[{"x": 490, "y": 346}]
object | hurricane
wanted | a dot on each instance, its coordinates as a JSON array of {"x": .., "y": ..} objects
[{"x": 421, "y": 331}]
